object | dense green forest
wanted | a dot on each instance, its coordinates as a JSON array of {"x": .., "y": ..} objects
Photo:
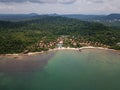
[{"x": 17, "y": 37}]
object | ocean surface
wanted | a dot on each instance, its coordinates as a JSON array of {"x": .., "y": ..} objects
[{"x": 89, "y": 69}]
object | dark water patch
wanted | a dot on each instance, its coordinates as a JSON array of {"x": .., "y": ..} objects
[{"x": 26, "y": 64}]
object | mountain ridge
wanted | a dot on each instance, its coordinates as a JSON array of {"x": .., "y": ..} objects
[{"x": 15, "y": 17}]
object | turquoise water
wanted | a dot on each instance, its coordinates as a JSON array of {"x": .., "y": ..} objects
[{"x": 62, "y": 70}]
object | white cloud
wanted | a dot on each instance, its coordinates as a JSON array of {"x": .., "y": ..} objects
[
  {"x": 95, "y": 1},
  {"x": 39, "y": 1}
]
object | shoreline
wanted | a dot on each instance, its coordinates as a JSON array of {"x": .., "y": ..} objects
[{"x": 57, "y": 49}]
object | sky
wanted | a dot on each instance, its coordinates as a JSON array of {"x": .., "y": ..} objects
[{"x": 59, "y": 6}]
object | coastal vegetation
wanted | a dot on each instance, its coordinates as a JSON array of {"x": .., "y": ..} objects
[{"x": 45, "y": 32}]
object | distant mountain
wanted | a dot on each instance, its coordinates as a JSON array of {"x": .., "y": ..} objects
[
  {"x": 15, "y": 17},
  {"x": 112, "y": 20},
  {"x": 112, "y": 16},
  {"x": 97, "y": 18},
  {"x": 33, "y": 14},
  {"x": 115, "y": 17},
  {"x": 54, "y": 14},
  {"x": 76, "y": 16},
  {"x": 84, "y": 17}
]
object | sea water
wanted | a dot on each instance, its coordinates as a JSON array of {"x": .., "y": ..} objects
[{"x": 90, "y": 69}]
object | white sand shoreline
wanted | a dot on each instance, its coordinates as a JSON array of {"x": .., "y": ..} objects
[{"x": 56, "y": 49}]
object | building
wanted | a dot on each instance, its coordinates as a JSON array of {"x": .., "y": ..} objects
[
  {"x": 118, "y": 44},
  {"x": 60, "y": 44}
]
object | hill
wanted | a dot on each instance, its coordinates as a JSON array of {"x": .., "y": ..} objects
[
  {"x": 43, "y": 33},
  {"x": 112, "y": 20},
  {"x": 76, "y": 16},
  {"x": 94, "y": 17},
  {"x": 17, "y": 17}
]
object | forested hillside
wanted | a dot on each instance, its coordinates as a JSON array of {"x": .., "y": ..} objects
[{"x": 17, "y": 37}]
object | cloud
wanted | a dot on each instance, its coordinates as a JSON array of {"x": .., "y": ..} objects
[
  {"x": 66, "y": 1},
  {"x": 60, "y": 6},
  {"x": 39, "y": 1},
  {"x": 95, "y": 1}
]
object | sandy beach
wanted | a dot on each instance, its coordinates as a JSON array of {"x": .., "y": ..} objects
[{"x": 56, "y": 49}]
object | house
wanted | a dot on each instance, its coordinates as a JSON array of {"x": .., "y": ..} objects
[
  {"x": 118, "y": 43},
  {"x": 60, "y": 44}
]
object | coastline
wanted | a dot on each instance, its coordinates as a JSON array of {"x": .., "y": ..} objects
[{"x": 56, "y": 49}]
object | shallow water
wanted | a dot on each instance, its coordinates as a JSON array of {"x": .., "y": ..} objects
[{"x": 62, "y": 70}]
